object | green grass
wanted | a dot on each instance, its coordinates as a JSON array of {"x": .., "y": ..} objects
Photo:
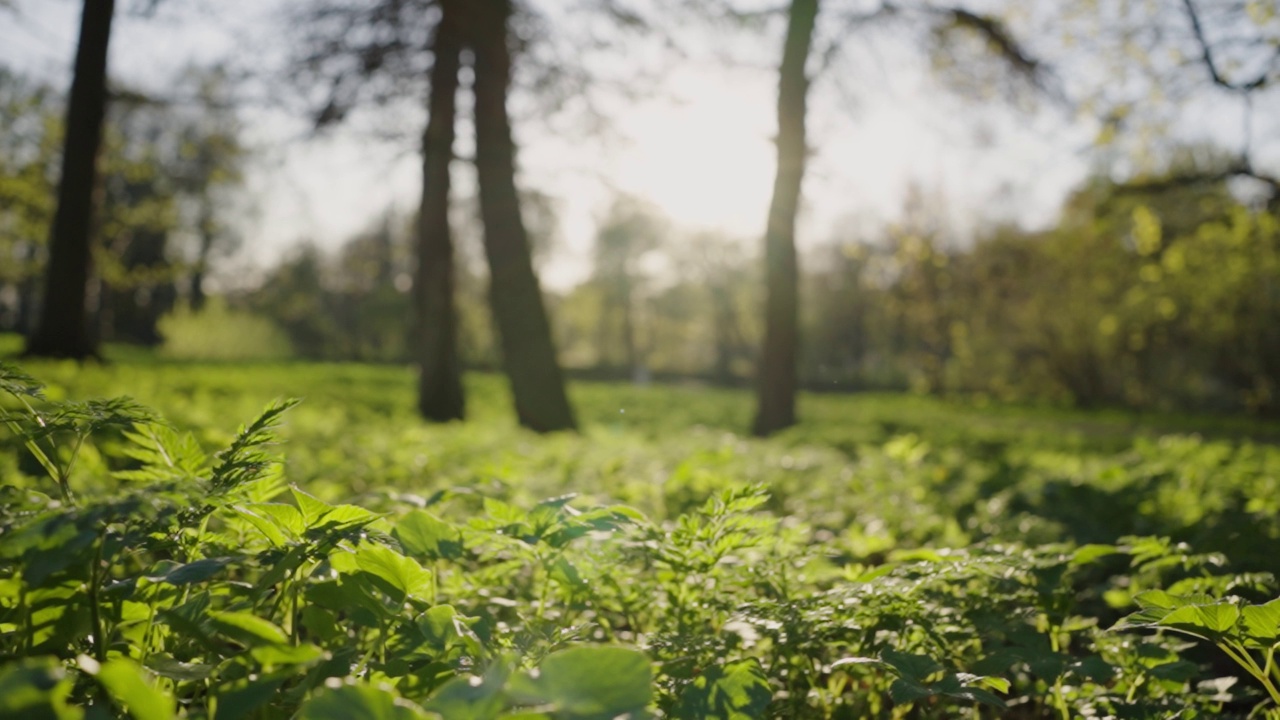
[{"x": 883, "y": 528}]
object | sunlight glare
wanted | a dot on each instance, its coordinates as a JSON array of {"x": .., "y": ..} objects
[{"x": 707, "y": 159}]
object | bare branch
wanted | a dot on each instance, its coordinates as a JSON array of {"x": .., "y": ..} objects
[
  {"x": 995, "y": 33},
  {"x": 1206, "y": 54},
  {"x": 1242, "y": 168}
]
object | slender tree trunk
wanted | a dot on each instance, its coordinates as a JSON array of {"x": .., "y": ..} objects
[
  {"x": 722, "y": 317},
  {"x": 528, "y": 351},
  {"x": 63, "y": 329},
  {"x": 776, "y": 376},
  {"x": 604, "y": 327},
  {"x": 201, "y": 267},
  {"x": 28, "y": 289},
  {"x": 629, "y": 343},
  {"x": 440, "y": 396}
]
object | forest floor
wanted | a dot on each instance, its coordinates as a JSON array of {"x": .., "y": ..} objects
[{"x": 844, "y": 508}]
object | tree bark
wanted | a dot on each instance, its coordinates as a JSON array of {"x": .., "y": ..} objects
[
  {"x": 63, "y": 329},
  {"x": 528, "y": 351},
  {"x": 776, "y": 375},
  {"x": 440, "y": 395}
]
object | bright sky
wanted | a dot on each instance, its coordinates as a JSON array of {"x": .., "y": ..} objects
[{"x": 702, "y": 153}]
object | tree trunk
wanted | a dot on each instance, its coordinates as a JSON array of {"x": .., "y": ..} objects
[
  {"x": 528, "y": 352},
  {"x": 28, "y": 292},
  {"x": 201, "y": 266},
  {"x": 440, "y": 396},
  {"x": 63, "y": 329},
  {"x": 722, "y": 318},
  {"x": 776, "y": 375},
  {"x": 628, "y": 323}
]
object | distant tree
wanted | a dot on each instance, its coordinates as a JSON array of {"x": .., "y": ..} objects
[
  {"x": 524, "y": 331},
  {"x": 778, "y": 367},
  {"x": 165, "y": 175},
  {"x": 440, "y": 396},
  {"x": 776, "y": 375},
  {"x": 390, "y": 59},
  {"x": 630, "y": 230},
  {"x": 135, "y": 282},
  {"x": 293, "y": 295},
  {"x": 720, "y": 268},
  {"x": 30, "y": 144},
  {"x": 208, "y": 172},
  {"x": 63, "y": 329}
]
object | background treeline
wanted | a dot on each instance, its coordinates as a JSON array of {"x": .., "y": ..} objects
[
  {"x": 170, "y": 186},
  {"x": 1160, "y": 294},
  {"x": 1154, "y": 296}
]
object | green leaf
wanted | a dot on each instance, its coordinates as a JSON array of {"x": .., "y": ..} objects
[
  {"x": 905, "y": 690},
  {"x": 1206, "y": 620},
  {"x": 471, "y": 698},
  {"x": 269, "y": 526},
  {"x": 357, "y": 702},
  {"x": 343, "y": 517},
  {"x": 169, "y": 667},
  {"x": 998, "y": 684},
  {"x": 1157, "y": 599},
  {"x": 422, "y": 534},
  {"x": 589, "y": 682},
  {"x": 566, "y": 573},
  {"x": 966, "y": 687},
  {"x": 404, "y": 575},
  {"x": 909, "y": 665},
  {"x": 165, "y": 454},
  {"x": 1169, "y": 601},
  {"x": 735, "y": 691},
  {"x": 352, "y": 594},
  {"x": 242, "y": 697},
  {"x": 271, "y": 656},
  {"x": 248, "y": 629},
  {"x": 245, "y": 461},
  {"x": 1146, "y": 618},
  {"x": 15, "y": 381},
  {"x": 1177, "y": 671},
  {"x": 193, "y": 572},
  {"x": 1094, "y": 668},
  {"x": 1262, "y": 622},
  {"x": 127, "y": 684},
  {"x": 1086, "y": 554},
  {"x": 286, "y": 518},
  {"x": 442, "y": 627},
  {"x": 311, "y": 507}
]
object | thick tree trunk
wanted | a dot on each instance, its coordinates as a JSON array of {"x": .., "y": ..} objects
[
  {"x": 63, "y": 329},
  {"x": 528, "y": 352},
  {"x": 776, "y": 375},
  {"x": 440, "y": 396}
]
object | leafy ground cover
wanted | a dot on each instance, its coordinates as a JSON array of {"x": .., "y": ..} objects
[{"x": 891, "y": 557}]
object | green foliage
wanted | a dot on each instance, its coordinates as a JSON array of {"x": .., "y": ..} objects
[
  {"x": 1246, "y": 632},
  {"x": 843, "y": 570},
  {"x": 217, "y": 332}
]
